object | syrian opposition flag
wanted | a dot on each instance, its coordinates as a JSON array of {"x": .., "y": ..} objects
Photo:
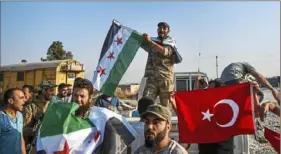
[
  {"x": 64, "y": 133},
  {"x": 273, "y": 137},
  {"x": 118, "y": 51},
  {"x": 214, "y": 115}
]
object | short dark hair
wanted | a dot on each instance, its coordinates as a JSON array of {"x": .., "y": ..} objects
[
  {"x": 9, "y": 94},
  {"x": 29, "y": 87},
  {"x": 62, "y": 85},
  {"x": 144, "y": 103},
  {"x": 217, "y": 82},
  {"x": 68, "y": 85},
  {"x": 84, "y": 83},
  {"x": 76, "y": 80}
]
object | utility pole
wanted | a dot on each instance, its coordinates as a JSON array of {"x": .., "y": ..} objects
[
  {"x": 199, "y": 62},
  {"x": 200, "y": 49},
  {"x": 217, "y": 65}
]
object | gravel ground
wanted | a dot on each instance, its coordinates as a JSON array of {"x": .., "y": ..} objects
[
  {"x": 272, "y": 122},
  {"x": 261, "y": 146}
]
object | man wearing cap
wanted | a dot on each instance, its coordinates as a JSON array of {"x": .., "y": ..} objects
[
  {"x": 36, "y": 91},
  {"x": 159, "y": 71},
  {"x": 143, "y": 104},
  {"x": 157, "y": 120},
  {"x": 33, "y": 113}
]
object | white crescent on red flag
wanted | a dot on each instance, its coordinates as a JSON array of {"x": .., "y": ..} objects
[{"x": 214, "y": 115}]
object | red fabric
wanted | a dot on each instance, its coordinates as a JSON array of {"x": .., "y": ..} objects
[
  {"x": 65, "y": 150},
  {"x": 273, "y": 137},
  {"x": 191, "y": 104}
]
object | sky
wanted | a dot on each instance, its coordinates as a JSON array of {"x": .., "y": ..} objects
[{"x": 233, "y": 31}]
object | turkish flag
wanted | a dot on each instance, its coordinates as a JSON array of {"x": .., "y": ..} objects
[
  {"x": 215, "y": 114},
  {"x": 273, "y": 137}
]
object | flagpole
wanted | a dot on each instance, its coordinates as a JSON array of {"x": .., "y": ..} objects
[
  {"x": 116, "y": 22},
  {"x": 253, "y": 109},
  {"x": 217, "y": 66}
]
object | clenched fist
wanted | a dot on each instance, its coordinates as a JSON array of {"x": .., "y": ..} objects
[{"x": 146, "y": 37}]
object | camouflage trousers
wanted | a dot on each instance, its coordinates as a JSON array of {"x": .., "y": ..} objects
[{"x": 158, "y": 87}]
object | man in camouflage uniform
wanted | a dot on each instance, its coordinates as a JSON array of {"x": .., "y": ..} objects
[
  {"x": 28, "y": 91},
  {"x": 33, "y": 113},
  {"x": 159, "y": 71}
]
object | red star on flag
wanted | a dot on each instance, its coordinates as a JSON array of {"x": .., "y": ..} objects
[
  {"x": 101, "y": 71},
  {"x": 111, "y": 55},
  {"x": 65, "y": 150},
  {"x": 119, "y": 40},
  {"x": 97, "y": 136}
]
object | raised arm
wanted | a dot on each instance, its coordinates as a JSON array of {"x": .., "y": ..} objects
[
  {"x": 166, "y": 51},
  {"x": 197, "y": 82},
  {"x": 145, "y": 46},
  {"x": 173, "y": 101},
  {"x": 260, "y": 78}
]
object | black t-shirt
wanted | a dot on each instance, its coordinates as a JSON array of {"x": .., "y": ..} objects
[{"x": 224, "y": 147}]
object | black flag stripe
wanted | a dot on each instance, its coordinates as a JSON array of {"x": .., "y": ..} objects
[{"x": 109, "y": 38}]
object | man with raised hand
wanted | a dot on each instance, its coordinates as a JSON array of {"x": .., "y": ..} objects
[{"x": 159, "y": 71}]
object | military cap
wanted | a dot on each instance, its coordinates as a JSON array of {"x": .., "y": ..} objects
[
  {"x": 159, "y": 111},
  {"x": 46, "y": 85},
  {"x": 164, "y": 24}
]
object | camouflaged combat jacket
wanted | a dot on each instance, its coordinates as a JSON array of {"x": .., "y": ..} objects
[
  {"x": 33, "y": 115},
  {"x": 159, "y": 65}
]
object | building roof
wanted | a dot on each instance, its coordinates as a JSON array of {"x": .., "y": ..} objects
[{"x": 30, "y": 66}]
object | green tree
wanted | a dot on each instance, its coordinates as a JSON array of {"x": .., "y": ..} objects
[
  {"x": 68, "y": 55},
  {"x": 56, "y": 52}
]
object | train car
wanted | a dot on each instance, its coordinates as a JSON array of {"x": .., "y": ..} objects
[{"x": 56, "y": 71}]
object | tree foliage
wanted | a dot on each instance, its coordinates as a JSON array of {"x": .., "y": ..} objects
[{"x": 56, "y": 52}]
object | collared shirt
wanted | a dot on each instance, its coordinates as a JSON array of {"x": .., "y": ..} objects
[
  {"x": 58, "y": 99},
  {"x": 68, "y": 98},
  {"x": 10, "y": 133}
]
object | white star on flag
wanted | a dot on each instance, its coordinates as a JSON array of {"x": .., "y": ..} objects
[{"x": 207, "y": 115}]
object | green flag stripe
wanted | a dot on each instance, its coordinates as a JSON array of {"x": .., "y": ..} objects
[
  {"x": 123, "y": 61},
  {"x": 66, "y": 121}
]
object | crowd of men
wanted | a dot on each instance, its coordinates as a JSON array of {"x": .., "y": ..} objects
[{"x": 24, "y": 109}]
